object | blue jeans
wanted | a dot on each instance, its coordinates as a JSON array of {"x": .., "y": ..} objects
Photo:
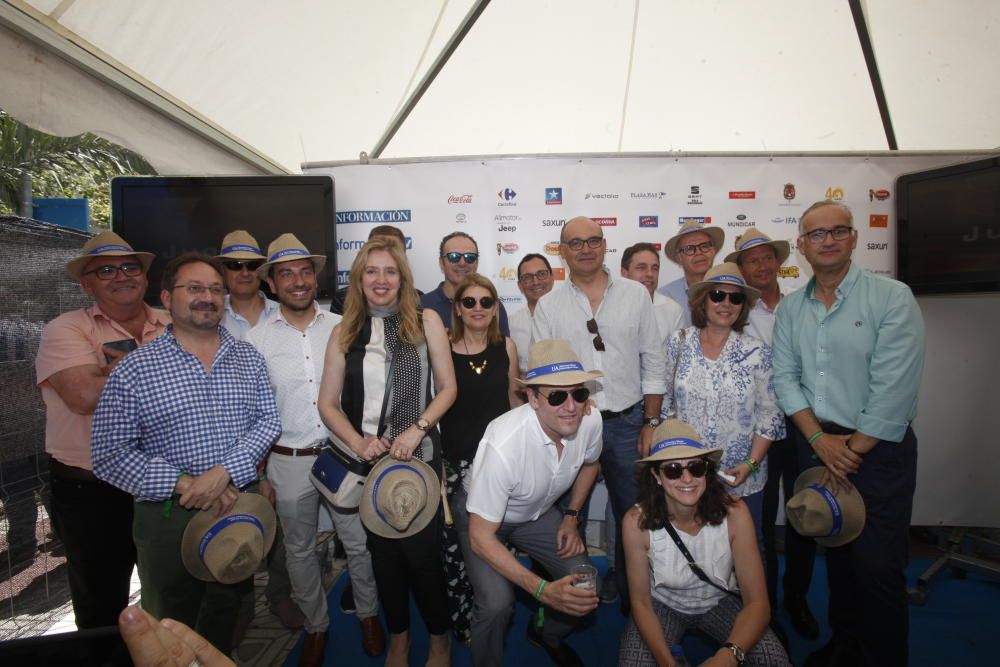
[{"x": 618, "y": 457}]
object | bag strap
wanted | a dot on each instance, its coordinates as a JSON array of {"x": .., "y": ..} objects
[
  {"x": 349, "y": 461},
  {"x": 382, "y": 426},
  {"x": 698, "y": 572}
]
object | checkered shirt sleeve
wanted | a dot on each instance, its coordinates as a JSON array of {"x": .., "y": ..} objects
[{"x": 162, "y": 415}]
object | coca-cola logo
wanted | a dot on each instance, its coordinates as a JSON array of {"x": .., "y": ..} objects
[{"x": 460, "y": 199}]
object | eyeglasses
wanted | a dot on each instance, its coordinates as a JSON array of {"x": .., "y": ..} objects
[
  {"x": 536, "y": 276},
  {"x": 592, "y": 328},
  {"x": 455, "y": 257},
  {"x": 109, "y": 271},
  {"x": 674, "y": 470},
  {"x": 194, "y": 289},
  {"x": 469, "y": 302},
  {"x": 838, "y": 233},
  {"x": 238, "y": 265},
  {"x": 696, "y": 247},
  {"x": 559, "y": 396},
  {"x": 593, "y": 242},
  {"x": 735, "y": 298}
]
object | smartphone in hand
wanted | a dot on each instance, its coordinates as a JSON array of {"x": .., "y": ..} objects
[{"x": 124, "y": 346}]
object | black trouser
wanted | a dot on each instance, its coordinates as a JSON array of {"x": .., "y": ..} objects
[
  {"x": 411, "y": 564},
  {"x": 94, "y": 521},
  {"x": 868, "y": 602},
  {"x": 782, "y": 470}
]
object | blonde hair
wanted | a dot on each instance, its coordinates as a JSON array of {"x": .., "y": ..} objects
[
  {"x": 356, "y": 305},
  {"x": 493, "y": 334}
]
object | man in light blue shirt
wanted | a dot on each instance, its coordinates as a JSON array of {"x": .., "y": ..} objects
[
  {"x": 694, "y": 248},
  {"x": 848, "y": 358}
]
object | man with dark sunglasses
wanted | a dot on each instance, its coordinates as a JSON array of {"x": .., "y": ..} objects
[
  {"x": 848, "y": 359},
  {"x": 529, "y": 458},
  {"x": 458, "y": 256},
  {"x": 693, "y": 248},
  {"x": 78, "y": 349},
  {"x": 245, "y": 303},
  {"x": 610, "y": 322}
]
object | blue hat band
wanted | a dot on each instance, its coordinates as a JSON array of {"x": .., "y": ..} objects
[
  {"x": 221, "y": 525},
  {"x": 240, "y": 248},
  {"x": 286, "y": 253},
  {"x": 752, "y": 242},
  {"x": 831, "y": 500},
  {"x": 378, "y": 483},
  {"x": 108, "y": 248},
  {"x": 727, "y": 279},
  {"x": 564, "y": 367},
  {"x": 675, "y": 442}
]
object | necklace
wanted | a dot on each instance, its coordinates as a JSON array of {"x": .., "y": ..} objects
[{"x": 478, "y": 369}]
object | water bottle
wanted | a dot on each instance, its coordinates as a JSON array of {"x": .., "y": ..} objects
[{"x": 678, "y": 653}]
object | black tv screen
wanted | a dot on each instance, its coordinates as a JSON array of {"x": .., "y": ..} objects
[
  {"x": 949, "y": 228},
  {"x": 176, "y": 214}
]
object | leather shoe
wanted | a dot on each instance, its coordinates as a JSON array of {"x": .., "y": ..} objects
[
  {"x": 836, "y": 653},
  {"x": 313, "y": 650},
  {"x": 372, "y": 637},
  {"x": 561, "y": 654},
  {"x": 802, "y": 619}
]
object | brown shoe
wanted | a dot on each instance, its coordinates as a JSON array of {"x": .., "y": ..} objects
[
  {"x": 313, "y": 650},
  {"x": 372, "y": 637}
]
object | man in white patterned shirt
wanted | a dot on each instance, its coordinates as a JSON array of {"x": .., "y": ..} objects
[
  {"x": 293, "y": 340},
  {"x": 535, "y": 280}
]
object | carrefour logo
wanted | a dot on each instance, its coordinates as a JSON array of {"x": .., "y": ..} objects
[{"x": 381, "y": 217}]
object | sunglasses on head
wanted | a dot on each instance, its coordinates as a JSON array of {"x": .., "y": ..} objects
[
  {"x": 735, "y": 298},
  {"x": 239, "y": 265},
  {"x": 559, "y": 396},
  {"x": 469, "y": 302},
  {"x": 674, "y": 470},
  {"x": 456, "y": 257}
]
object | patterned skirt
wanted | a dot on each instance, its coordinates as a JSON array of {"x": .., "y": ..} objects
[{"x": 460, "y": 597}]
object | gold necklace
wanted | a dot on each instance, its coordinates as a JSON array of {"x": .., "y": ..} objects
[{"x": 478, "y": 369}]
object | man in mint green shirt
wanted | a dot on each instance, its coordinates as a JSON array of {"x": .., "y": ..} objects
[{"x": 848, "y": 358}]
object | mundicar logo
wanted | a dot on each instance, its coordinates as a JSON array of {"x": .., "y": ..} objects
[{"x": 379, "y": 217}]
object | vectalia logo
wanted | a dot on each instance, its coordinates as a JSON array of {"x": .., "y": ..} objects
[{"x": 381, "y": 217}]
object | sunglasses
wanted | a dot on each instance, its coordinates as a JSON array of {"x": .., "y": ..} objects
[
  {"x": 674, "y": 470},
  {"x": 109, "y": 271},
  {"x": 735, "y": 298},
  {"x": 559, "y": 396},
  {"x": 592, "y": 328},
  {"x": 469, "y": 302},
  {"x": 456, "y": 257},
  {"x": 237, "y": 265}
]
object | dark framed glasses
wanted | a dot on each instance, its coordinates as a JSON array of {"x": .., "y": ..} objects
[
  {"x": 469, "y": 302},
  {"x": 696, "y": 247},
  {"x": 238, "y": 265},
  {"x": 559, "y": 396},
  {"x": 674, "y": 470},
  {"x": 592, "y": 328},
  {"x": 735, "y": 298},
  {"x": 594, "y": 242},
  {"x": 838, "y": 233},
  {"x": 456, "y": 257},
  {"x": 538, "y": 276},
  {"x": 109, "y": 271}
]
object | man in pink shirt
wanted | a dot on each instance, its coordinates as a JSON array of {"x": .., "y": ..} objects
[{"x": 77, "y": 351}]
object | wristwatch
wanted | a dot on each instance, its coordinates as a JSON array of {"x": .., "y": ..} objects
[
  {"x": 652, "y": 422},
  {"x": 422, "y": 424},
  {"x": 573, "y": 513},
  {"x": 737, "y": 652}
]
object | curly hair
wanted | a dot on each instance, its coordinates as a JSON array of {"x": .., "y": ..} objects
[{"x": 712, "y": 506}]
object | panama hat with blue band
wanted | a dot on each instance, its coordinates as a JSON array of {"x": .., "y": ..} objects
[
  {"x": 726, "y": 273},
  {"x": 553, "y": 363},
  {"x": 716, "y": 234},
  {"x": 674, "y": 439},
  {"x": 287, "y": 248},
  {"x": 240, "y": 245},
  {"x": 832, "y": 518},
  {"x": 400, "y": 498},
  {"x": 105, "y": 244},
  {"x": 752, "y": 238},
  {"x": 229, "y": 548}
]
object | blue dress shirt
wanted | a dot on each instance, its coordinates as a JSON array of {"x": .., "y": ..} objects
[{"x": 678, "y": 291}]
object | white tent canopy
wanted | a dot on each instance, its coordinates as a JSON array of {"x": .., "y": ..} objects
[{"x": 257, "y": 86}]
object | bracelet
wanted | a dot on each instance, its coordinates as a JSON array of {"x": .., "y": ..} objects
[
  {"x": 262, "y": 477},
  {"x": 815, "y": 436},
  {"x": 538, "y": 591},
  {"x": 752, "y": 465}
]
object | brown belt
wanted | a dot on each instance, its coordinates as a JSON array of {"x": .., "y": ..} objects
[
  {"x": 290, "y": 451},
  {"x": 70, "y": 472}
]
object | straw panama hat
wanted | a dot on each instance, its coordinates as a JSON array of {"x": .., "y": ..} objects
[
  {"x": 229, "y": 548},
  {"x": 833, "y": 519},
  {"x": 674, "y": 439},
  {"x": 287, "y": 248},
  {"x": 400, "y": 498},
  {"x": 105, "y": 244},
  {"x": 714, "y": 233},
  {"x": 726, "y": 273},
  {"x": 240, "y": 244},
  {"x": 553, "y": 362},
  {"x": 752, "y": 238}
]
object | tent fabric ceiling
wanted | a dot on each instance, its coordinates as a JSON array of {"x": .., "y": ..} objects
[{"x": 305, "y": 80}]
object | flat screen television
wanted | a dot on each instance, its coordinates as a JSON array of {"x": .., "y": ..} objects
[
  {"x": 176, "y": 214},
  {"x": 949, "y": 228}
]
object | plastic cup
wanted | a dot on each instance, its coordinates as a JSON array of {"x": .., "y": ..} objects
[{"x": 585, "y": 576}]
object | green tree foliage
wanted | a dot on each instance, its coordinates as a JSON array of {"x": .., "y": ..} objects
[{"x": 80, "y": 166}]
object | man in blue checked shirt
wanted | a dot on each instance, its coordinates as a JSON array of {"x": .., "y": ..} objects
[
  {"x": 182, "y": 427},
  {"x": 848, "y": 358}
]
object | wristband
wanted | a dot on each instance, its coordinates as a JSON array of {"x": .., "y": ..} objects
[
  {"x": 752, "y": 465},
  {"x": 815, "y": 436},
  {"x": 538, "y": 591},
  {"x": 541, "y": 608}
]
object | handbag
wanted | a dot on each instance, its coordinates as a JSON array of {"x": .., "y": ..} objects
[{"x": 340, "y": 475}]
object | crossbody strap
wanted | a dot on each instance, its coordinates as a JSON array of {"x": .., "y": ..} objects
[
  {"x": 698, "y": 572},
  {"x": 385, "y": 397}
]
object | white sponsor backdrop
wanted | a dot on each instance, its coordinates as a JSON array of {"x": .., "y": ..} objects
[{"x": 514, "y": 206}]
